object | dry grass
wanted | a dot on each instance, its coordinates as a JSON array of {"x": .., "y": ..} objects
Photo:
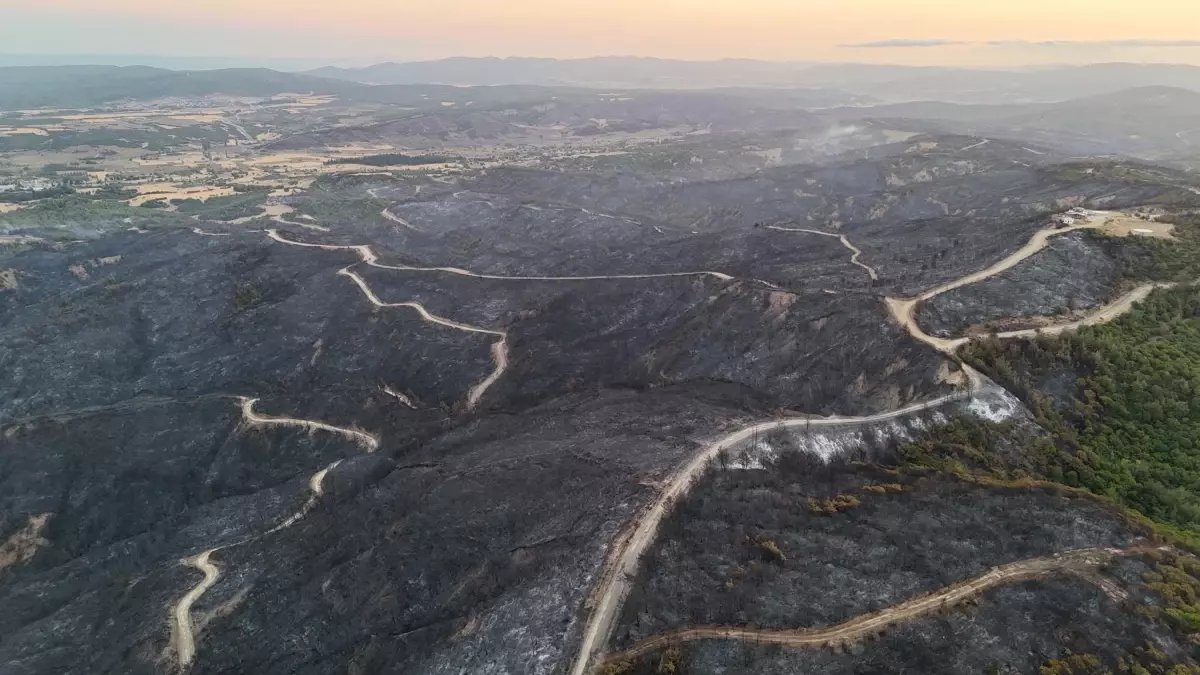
[
  {"x": 1122, "y": 225},
  {"x": 168, "y": 191},
  {"x": 33, "y": 131}
]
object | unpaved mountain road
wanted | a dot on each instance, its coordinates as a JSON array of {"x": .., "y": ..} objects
[
  {"x": 1097, "y": 316},
  {"x": 183, "y": 633},
  {"x": 387, "y": 214},
  {"x": 1081, "y": 560},
  {"x": 904, "y": 309},
  {"x": 621, "y": 569},
  {"x": 368, "y": 441},
  {"x": 625, "y": 555},
  {"x": 855, "y": 252},
  {"x": 499, "y": 348},
  {"x": 315, "y": 487},
  {"x": 1101, "y": 315},
  {"x": 1036, "y": 243},
  {"x": 369, "y": 257}
]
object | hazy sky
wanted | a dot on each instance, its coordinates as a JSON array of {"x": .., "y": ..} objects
[{"x": 995, "y": 32}]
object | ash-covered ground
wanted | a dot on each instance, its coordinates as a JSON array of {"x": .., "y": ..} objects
[
  {"x": 850, "y": 539},
  {"x": 1015, "y": 629},
  {"x": 469, "y": 538},
  {"x": 1076, "y": 271}
]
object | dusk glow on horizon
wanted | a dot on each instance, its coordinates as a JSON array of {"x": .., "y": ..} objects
[{"x": 1016, "y": 32}]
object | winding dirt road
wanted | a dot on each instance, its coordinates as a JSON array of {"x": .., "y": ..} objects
[
  {"x": 499, "y": 348},
  {"x": 183, "y": 634},
  {"x": 1100, "y": 315},
  {"x": 1103, "y": 314},
  {"x": 368, "y": 256},
  {"x": 1081, "y": 560},
  {"x": 621, "y": 569},
  {"x": 315, "y": 487},
  {"x": 368, "y": 441},
  {"x": 1037, "y": 242},
  {"x": 855, "y": 252},
  {"x": 904, "y": 309}
]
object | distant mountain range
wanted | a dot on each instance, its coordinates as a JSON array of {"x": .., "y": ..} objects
[
  {"x": 787, "y": 84},
  {"x": 889, "y": 83},
  {"x": 1151, "y": 122},
  {"x": 37, "y": 86}
]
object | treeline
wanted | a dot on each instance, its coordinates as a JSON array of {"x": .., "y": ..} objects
[
  {"x": 243, "y": 204},
  {"x": 1122, "y": 401},
  {"x": 1144, "y": 258},
  {"x": 22, "y": 196}
]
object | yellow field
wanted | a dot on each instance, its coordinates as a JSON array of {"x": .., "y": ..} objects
[{"x": 168, "y": 191}]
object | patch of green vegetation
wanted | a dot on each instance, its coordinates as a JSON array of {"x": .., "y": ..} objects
[
  {"x": 1145, "y": 258},
  {"x": 22, "y": 196},
  {"x": 328, "y": 205},
  {"x": 111, "y": 191},
  {"x": 231, "y": 207},
  {"x": 1176, "y": 579},
  {"x": 247, "y": 296},
  {"x": 832, "y": 506},
  {"x": 1123, "y": 403},
  {"x": 148, "y": 139},
  {"x": 78, "y": 214},
  {"x": 767, "y": 549},
  {"x": 1146, "y": 660},
  {"x": 1008, "y": 456}
]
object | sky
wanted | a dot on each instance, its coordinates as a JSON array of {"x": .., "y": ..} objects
[{"x": 917, "y": 32}]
